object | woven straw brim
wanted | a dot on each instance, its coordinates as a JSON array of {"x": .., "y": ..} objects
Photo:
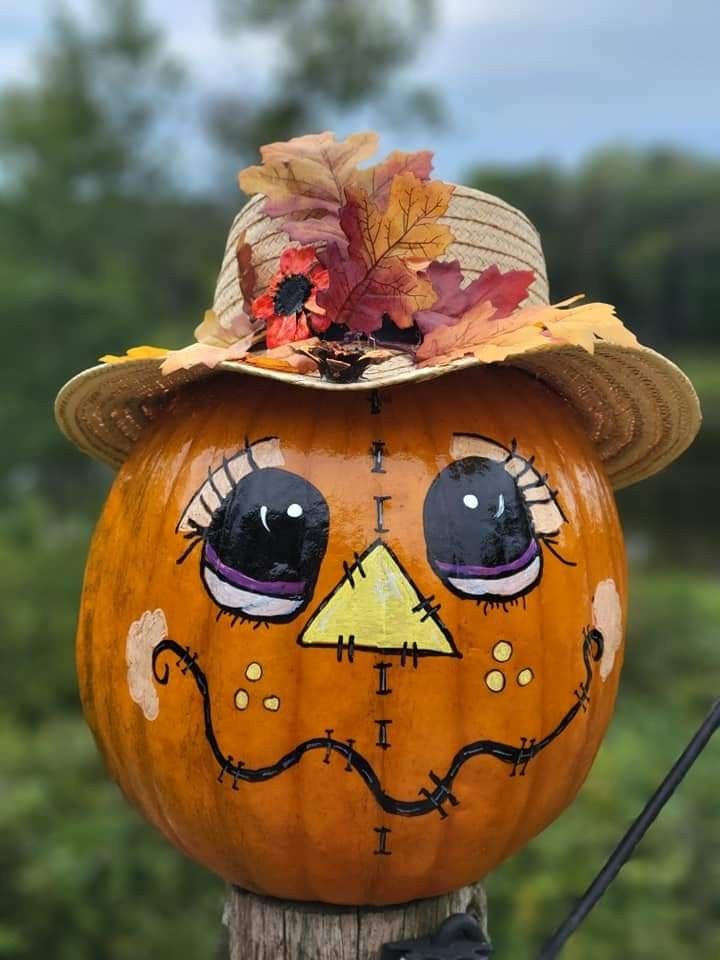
[{"x": 640, "y": 410}]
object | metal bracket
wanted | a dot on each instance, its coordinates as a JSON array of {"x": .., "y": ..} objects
[{"x": 460, "y": 937}]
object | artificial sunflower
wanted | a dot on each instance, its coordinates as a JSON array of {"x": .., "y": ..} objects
[{"x": 288, "y": 306}]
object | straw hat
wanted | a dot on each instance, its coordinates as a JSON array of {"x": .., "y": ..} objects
[{"x": 341, "y": 278}]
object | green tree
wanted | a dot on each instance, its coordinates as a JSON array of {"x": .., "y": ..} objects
[
  {"x": 332, "y": 57},
  {"x": 635, "y": 228}
]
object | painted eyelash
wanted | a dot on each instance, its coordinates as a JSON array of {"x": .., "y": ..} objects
[
  {"x": 197, "y": 515},
  {"x": 539, "y": 498}
]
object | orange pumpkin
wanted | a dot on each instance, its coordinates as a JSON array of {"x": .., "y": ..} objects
[{"x": 355, "y": 647}]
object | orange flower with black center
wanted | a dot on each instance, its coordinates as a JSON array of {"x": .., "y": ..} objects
[{"x": 289, "y": 306}]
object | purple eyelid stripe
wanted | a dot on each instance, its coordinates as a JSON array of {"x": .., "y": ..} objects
[
  {"x": 280, "y": 588},
  {"x": 467, "y": 570}
]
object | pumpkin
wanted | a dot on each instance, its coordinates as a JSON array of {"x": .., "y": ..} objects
[{"x": 355, "y": 646}]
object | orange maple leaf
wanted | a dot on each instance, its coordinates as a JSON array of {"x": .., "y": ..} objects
[
  {"x": 406, "y": 228},
  {"x": 481, "y": 334}
]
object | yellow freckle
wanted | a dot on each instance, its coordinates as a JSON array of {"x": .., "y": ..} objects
[
  {"x": 502, "y": 651},
  {"x": 242, "y": 698},
  {"x": 271, "y": 703},
  {"x": 525, "y": 677},
  {"x": 495, "y": 680},
  {"x": 254, "y": 671}
]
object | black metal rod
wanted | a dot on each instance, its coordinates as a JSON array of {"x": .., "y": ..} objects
[{"x": 622, "y": 853}]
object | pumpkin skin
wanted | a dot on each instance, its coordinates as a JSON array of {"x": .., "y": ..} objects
[{"x": 322, "y": 827}]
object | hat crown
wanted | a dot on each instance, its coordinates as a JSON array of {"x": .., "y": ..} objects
[{"x": 487, "y": 231}]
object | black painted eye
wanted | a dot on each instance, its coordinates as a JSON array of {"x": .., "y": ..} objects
[
  {"x": 478, "y": 532},
  {"x": 264, "y": 545}
]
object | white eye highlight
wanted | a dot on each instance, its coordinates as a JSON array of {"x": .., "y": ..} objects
[
  {"x": 294, "y": 511},
  {"x": 501, "y": 507},
  {"x": 263, "y": 517},
  {"x": 470, "y": 501}
]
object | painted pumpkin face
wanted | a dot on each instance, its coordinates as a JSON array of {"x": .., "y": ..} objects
[{"x": 355, "y": 647}]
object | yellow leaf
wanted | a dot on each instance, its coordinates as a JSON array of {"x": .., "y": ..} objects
[
  {"x": 313, "y": 168},
  {"x": 135, "y": 353},
  {"x": 407, "y": 228}
]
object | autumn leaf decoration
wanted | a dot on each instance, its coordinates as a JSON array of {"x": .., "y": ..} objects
[{"x": 365, "y": 254}]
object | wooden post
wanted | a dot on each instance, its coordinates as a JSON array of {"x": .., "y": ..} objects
[{"x": 262, "y": 928}]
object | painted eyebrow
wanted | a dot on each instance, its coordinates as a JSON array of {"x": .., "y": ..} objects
[
  {"x": 540, "y": 500},
  {"x": 220, "y": 482}
]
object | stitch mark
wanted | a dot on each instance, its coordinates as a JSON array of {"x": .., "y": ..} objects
[
  {"x": 383, "y": 689},
  {"x": 328, "y": 746},
  {"x": 377, "y": 453},
  {"x": 382, "y": 849},
  {"x": 404, "y": 653},
  {"x": 350, "y": 647},
  {"x": 375, "y": 402},
  {"x": 439, "y": 795},
  {"x": 382, "y": 740},
  {"x": 379, "y": 512},
  {"x": 525, "y": 755}
]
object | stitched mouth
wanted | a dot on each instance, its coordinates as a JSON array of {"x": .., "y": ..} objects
[
  {"x": 268, "y": 588},
  {"x": 472, "y": 571}
]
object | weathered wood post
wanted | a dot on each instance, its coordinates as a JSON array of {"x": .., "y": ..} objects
[{"x": 263, "y": 928}]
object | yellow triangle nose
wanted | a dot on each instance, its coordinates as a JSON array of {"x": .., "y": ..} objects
[{"x": 376, "y": 606}]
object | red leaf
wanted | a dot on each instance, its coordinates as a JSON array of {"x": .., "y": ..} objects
[
  {"x": 359, "y": 296},
  {"x": 246, "y": 271},
  {"x": 505, "y": 291}
]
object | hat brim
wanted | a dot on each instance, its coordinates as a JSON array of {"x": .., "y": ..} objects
[{"x": 640, "y": 410}]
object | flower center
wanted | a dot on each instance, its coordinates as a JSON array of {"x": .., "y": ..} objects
[{"x": 291, "y": 294}]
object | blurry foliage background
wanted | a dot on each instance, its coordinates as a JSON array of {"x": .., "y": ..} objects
[{"x": 100, "y": 249}]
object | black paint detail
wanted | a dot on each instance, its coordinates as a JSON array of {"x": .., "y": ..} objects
[
  {"x": 382, "y": 740},
  {"x": 418, "y": 609},
  {"x": 382, "y": 849},
  {"x": 380, "y": 502},
  {"x": 375, "y": 402},
  {"x": 291, "y": 294},
  {"x": 495, "y": 532},
  {"x": 378, "y": 451},
  {"x": 350, "y": 647},
  {"x": 460, "y": 937},
  {"x": 524, "y": 756},
  {"x": 328, "y": 746},
  {"x": 254, "y": 536},
  {"x": 383, "y": 689},
  {"x": 592, "y": 648}
]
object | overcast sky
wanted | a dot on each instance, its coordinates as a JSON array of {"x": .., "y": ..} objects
[{"x": 521, "y": 79}]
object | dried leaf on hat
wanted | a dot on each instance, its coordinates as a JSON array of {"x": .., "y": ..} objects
[
  {"x": 406, "y": 228},
  {"x": 376, "y": 181},
  {"x": 506, "y": 291},
  {"x": 489, "y": 338},
  {"x": 304, "y": 177},
  {"x": 288, "y": 358},
  {"x": 386, "y": 249},
  {"x": 136, "y": 353},
  {"x": 206, "y": 354},
  {"x": 247, "y": 277},
  {"x": 304, "y": 181},
  {"x": 360, "y": 295},
  {"x": 345, "y": 362}
]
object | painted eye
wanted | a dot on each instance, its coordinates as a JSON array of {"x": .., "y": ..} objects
[
  {"x": 485, "y": 516},
  {"x": 263, "y": 540},
  {"x": 479, "y": 538}
]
